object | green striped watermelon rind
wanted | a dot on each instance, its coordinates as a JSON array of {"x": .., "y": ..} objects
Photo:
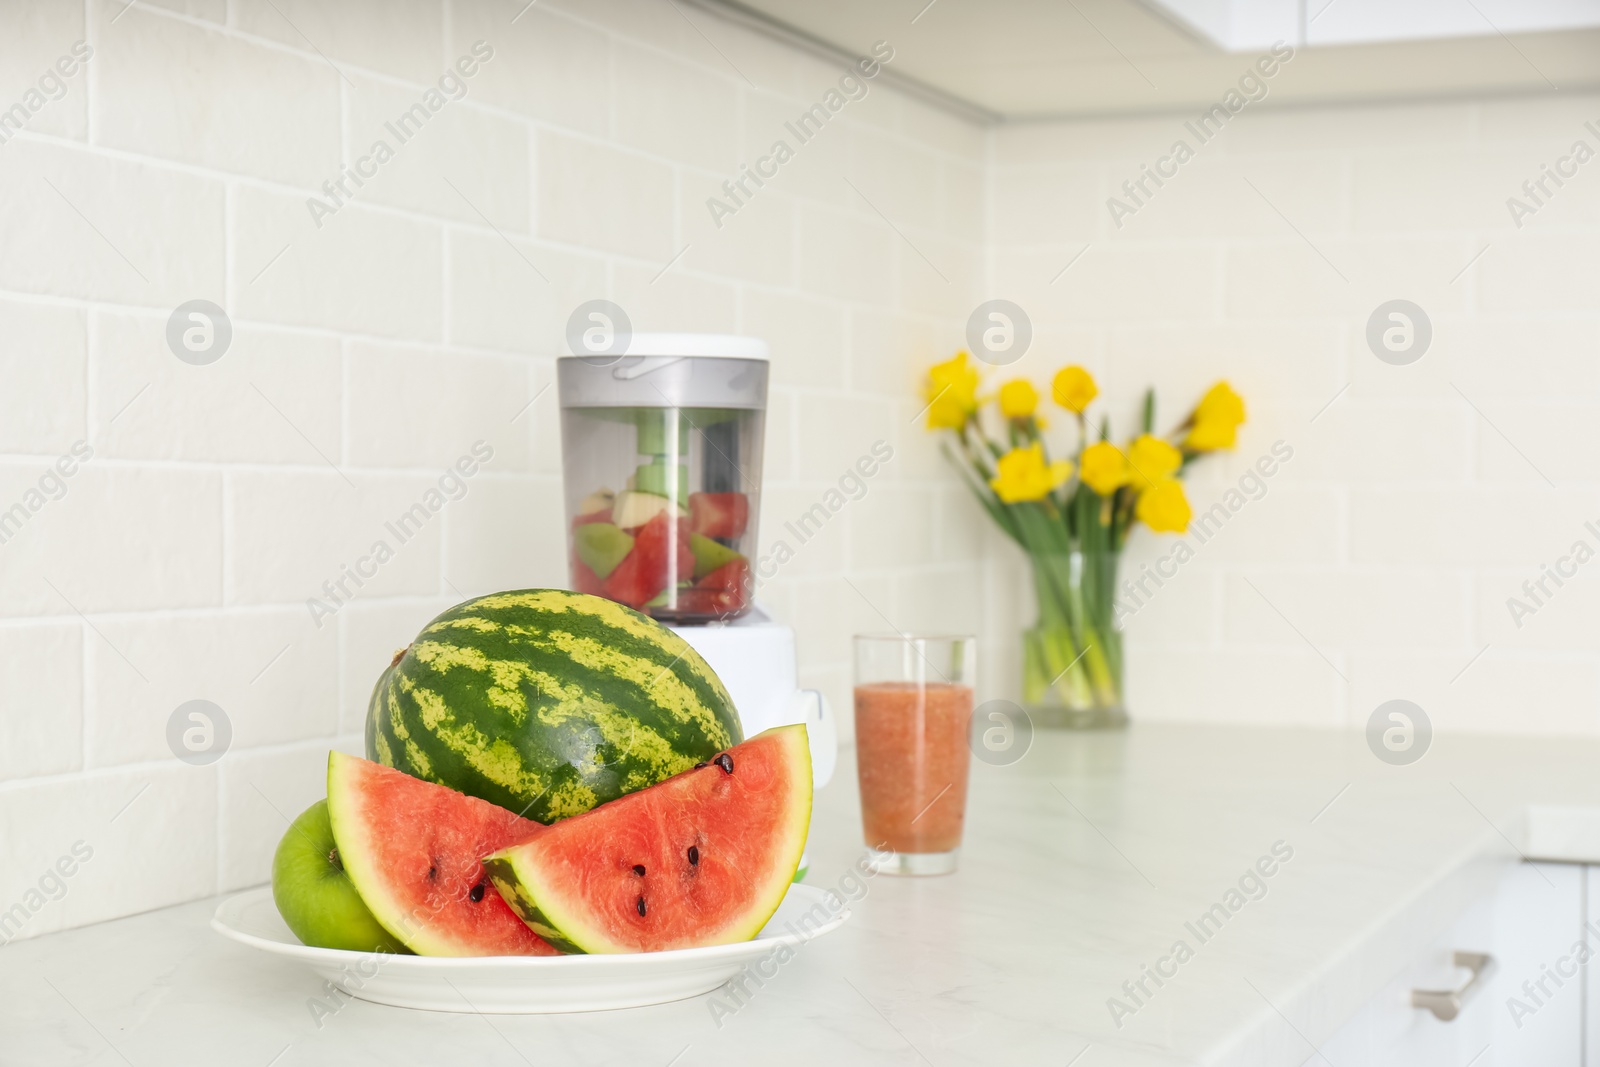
[
  {"x": 508, "y": 878},
  {"x": 548, "y": 703},
  {"x": 516, "y": 878}
]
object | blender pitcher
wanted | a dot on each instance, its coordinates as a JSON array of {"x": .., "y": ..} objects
[{"x": 661, "y": 450}]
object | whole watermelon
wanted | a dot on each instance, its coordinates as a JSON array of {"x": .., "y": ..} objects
[{"x": 548, "y": 703}]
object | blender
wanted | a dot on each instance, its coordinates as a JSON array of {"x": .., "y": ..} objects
[
  {"x": 661, "y": 449},
  {"x": 661, "y": 461}
]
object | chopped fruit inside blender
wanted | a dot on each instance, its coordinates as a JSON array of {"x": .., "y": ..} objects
[
  {"x": 722, "y": 592},
  {"x": 731, "y": 577},
  {"x": 718, "y": 514},
  {"x": 660, "y": 553},
  {"x": 601, "y": 546},
  {"x": 640, "y": 549},
  {"x": 634, "y": 508},
  {"x": 597, "y": 501},
  {"x": 596, "y": 507},
  {"x": 652, "y": 544},
  {"x": 585, "y": 580},
  {"x": 709, "y": 554}
]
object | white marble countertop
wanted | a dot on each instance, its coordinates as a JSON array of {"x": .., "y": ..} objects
[{"x": 1083, "y": 863}]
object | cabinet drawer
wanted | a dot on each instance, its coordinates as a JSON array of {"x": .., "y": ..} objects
[{"x": 1531, "y": 926}]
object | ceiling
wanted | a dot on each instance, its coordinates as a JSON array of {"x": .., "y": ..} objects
[{"x": 1018, "y": 60}]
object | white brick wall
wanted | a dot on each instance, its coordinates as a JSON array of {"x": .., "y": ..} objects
[
  {"x": 1392, "y": 540},
  {"x": 371, "y": 351}
]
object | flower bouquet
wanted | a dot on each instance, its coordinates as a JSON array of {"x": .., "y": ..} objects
[{"x": 1072, "y": 516}]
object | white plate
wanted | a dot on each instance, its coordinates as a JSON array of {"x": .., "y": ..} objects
[{"x": 518, "y": 985}]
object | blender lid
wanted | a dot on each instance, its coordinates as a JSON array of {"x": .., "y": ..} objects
[
  {"x": 714, "y": 345},
  {"x": 670, "y": 370}
]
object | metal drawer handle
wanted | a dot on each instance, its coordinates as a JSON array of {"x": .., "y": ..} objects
[{"x": 1446, "y": 1003}]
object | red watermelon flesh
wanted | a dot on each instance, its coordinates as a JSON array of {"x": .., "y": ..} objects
[
  {"x": 703, "y": 858},
  {"x": 584, "y": 580},
  {"x": 661, "y": 554},
  {"x": 719, "y": 514},
  {"x": 413, "y": 851}
]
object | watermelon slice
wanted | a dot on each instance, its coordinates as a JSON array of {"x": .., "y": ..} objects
[
  {"x": 703, "y": 858},
  {"x": 412, "y": 850}
]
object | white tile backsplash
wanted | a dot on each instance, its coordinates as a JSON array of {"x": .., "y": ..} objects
[
  {"x": 415, "y": 408},
  {"x": 44, "y": 362},
  {"x": 275, "y": 397},
  {"x": 111, "y": 537},
  {"x": 596, "y": 196},
  {"x": 274, "y": 675},
  {"x": 292, "y": 536},
  {"x": 362, "y": 271},
  {"x": 462, "y": 162},
  {"x": 41, "y": 697},
  {"x": 37, "y": 37},
  {"x": 403, "y": 38},
  {"x": 92, "y": 226},
  {"x": 377, "y": 337},
  {"x": 185, "y": 92}
]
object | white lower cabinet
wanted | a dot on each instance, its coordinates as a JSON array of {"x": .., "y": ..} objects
[{"x": 1532, "y": 1006}]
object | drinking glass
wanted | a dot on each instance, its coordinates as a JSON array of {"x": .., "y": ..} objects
[{"x": 913, "y": 705}]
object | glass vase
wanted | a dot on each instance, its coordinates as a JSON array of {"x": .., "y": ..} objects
[{"x": 1072, "y": 657}]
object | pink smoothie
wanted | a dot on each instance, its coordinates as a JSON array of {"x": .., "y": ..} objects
[{"x": 911, "y": 752}]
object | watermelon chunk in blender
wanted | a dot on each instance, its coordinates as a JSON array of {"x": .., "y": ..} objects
[
  {"x": 723, "y": 592},
  {"x": 719, "y": 514},
  {"x": 660, "y": 553}
]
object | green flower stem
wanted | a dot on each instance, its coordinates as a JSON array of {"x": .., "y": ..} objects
[
  {"x": 1075, "y": 647},
  {"x": 1073, "y": 537}
]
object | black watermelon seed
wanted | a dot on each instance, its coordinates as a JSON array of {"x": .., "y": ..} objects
[
  {"x": 725, "y": 761},
  {"x": 702, "y": 763},
  {"x": 638, "y": 868},
  {"x": 477, "y": 893},
  {"x": 433, "y": 872},
  {"x": 641, "y": 905},
  {"x": 694, "y": 856}
]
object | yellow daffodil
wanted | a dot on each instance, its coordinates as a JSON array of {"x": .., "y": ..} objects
[
  {"x": 1163, "y": 507},
  {"x": 951, "y": 393},
  {"x": 1104, "y": 468},
  {"x": 1023, "y": 474},
  {"x": 1018, "y": 398},
  {"x": 1216, "y": 420},
  {"x": 1150, "y": 459},
  {"x": 1073, "y": 388}
]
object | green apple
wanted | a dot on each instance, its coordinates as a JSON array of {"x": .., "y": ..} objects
[
  {"x": 709, "y": 554},
  {"x": 314, "y": 894},
  {"x": 601, "y": 546}
]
